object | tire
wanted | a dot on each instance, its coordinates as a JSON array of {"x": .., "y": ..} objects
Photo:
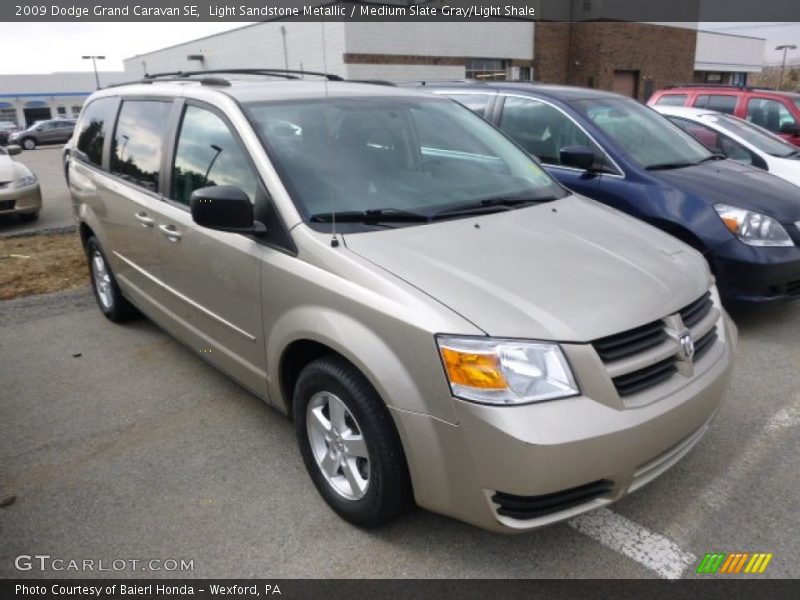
[
  {"x": 106, "y": 291},
  {"x": 376, "y": 461},
  {"x": 28, "y": 217},
  {"x": 29, "y": 143}
]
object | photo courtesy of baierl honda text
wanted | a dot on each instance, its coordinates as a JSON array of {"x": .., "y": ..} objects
[{"x": 408, "y": 298}]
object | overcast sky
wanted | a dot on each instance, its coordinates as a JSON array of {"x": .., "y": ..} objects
[{"x": 48, "y": 47}]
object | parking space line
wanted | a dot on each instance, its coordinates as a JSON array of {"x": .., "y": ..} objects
[
  {"x": 651, "y": 550},
  {"x": 720, "y": 490}
]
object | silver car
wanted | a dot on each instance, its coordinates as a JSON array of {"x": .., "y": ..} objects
[
  {"x": 444, "y": 323},
  {"x": 20, "y": 193}
]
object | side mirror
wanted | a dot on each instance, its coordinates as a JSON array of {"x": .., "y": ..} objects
[
  {"x": 577, "y": 157},
  {"x": 13, "y": 150},
  {"x": 789, "y": 129},
  {"x": 225, "y": 208}
]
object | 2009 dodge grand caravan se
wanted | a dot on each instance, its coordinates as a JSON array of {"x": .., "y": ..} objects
[{"x": 443, "y": 321}]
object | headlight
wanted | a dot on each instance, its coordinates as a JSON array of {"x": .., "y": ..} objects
[
  {"x": 753, "y": 228},
  {"x": 25, "y": 180},
  {"x": 498, "y": 371}
]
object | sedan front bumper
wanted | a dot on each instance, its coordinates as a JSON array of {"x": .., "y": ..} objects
[{"x": 24, "y": 200}]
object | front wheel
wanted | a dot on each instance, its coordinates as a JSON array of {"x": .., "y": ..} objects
[
  {"x": 349, "y": 444},
  {"x": 29, "y": 144},
  {"x": 109, "y": 298}
]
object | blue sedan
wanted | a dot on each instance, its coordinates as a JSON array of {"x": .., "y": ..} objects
[{"x": 612, "y": 149}]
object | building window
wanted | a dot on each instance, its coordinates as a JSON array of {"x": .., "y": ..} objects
[
  {"x": 486, "y": 69},
  {"x": 713, "y": 77},
  {"x": 76, "y": 111},
  {"x": 61, "y": 111},
  {"x": 739, "y": 79}
]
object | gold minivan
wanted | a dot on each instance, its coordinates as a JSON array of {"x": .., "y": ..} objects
[{"x": 444, "y": 323}]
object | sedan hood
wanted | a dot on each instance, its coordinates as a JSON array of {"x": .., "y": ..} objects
[
  {"x": 569, "y": 270},
  {"x": 6, "y": 168},
  {"x": 730, "y": 182}
]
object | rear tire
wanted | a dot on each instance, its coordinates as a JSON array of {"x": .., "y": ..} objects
[
  {"x": 349, "y": 443},
  {"x": 109, "y": 298},
  {"x": 29, "y": 144}
]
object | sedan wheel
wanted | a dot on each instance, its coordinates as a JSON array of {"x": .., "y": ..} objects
[{"x": 29, "y": 144}]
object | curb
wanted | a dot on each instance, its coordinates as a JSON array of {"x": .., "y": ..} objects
[{"x": 45, "y": 231}]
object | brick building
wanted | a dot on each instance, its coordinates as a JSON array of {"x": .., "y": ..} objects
[{"x": 632, "y": 58}]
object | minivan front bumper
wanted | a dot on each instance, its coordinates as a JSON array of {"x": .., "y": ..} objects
[{"x": 516, "y": 468}]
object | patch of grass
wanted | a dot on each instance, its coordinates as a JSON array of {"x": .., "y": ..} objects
[{"x": 40, "y": 264}]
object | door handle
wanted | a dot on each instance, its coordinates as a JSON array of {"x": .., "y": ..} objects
[
  {"x": 144, "y": 220},
  {"x": 173, "y": 235}
]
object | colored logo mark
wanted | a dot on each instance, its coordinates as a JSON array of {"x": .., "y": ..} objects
[{"x": 735, "y": 563}]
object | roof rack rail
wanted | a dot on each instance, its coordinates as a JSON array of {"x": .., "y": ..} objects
[
  {"x": 216, "y": 81},
  {"x": 435, "y": 81},
  {"x": 718, "y": 85},
  {"x": 268, "y": 72},
  {"x": 374, "y": 82}
]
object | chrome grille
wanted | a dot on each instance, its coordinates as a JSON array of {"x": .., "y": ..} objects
[
  {"x": 627, "y": 343},
  {"x": 697, "y": 310},
  {"x": 648, "y": 355},
  {"x": 642, "y": 379}
]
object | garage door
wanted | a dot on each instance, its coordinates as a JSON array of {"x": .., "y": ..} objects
[{"x": 626, "y": 83}]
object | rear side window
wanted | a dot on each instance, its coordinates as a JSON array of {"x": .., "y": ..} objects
[
  {"x": 95, "y": 123},
  {"x": 209, "y": 154},
  {"x": 718, "y": 102},
  {"x": 672, "y": 100},
  {"x": 769, "y": 114},
  {"x": 136, "y": 149},
  {"x": 477, "y": 103}
]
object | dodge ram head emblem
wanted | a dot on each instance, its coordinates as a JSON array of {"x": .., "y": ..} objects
[{"x": 687, "y": 347}]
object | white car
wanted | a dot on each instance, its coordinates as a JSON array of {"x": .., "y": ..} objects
[{"x": 738, "y": 140}]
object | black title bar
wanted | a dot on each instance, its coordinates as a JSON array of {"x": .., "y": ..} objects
[{"x": 400, "y": 10}]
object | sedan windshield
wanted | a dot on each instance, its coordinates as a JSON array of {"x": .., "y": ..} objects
[
  {"x": 755, "y": 135},
  {"x": 648, "y": 138},
  {"x": 405, "y": 160}
]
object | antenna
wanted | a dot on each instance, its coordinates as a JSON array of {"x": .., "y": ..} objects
[{"x": 334, "y": 239}]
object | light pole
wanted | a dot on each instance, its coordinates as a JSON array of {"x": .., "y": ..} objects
[
  {"x": 94, "y": 59},
  {"x": 784, "y": 47}
]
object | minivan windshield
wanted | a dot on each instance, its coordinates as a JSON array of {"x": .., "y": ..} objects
[
  {"x": 649, "y": 138},
  {"x": 760, "y": 138},
  {"x": 399, "y": 159}
]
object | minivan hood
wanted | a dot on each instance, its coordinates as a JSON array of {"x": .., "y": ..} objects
[
  {"x": 568, "y": 270},
  {"x": 730, "y": 182}
]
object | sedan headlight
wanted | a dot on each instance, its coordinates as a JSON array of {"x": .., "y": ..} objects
[
  {"x": 25, "y": 180},
  {"x": 753, "y": 228},
  {"x": 501, "y": 371}
]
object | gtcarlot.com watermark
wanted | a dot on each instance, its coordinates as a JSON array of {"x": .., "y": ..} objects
[{"x": 45, "y": 562}]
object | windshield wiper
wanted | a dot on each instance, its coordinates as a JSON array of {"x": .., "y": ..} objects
[
  {"x": 669, "y": 165},
  {"x": 488, "y": 205},
  {"x": 373, "y": 215},
  {"x": 715, "y": 156}
]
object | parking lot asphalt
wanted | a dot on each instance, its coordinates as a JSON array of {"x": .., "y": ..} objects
[
  {"x": 118, "y": 442},
  {"x": 45, "y": 162}
]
